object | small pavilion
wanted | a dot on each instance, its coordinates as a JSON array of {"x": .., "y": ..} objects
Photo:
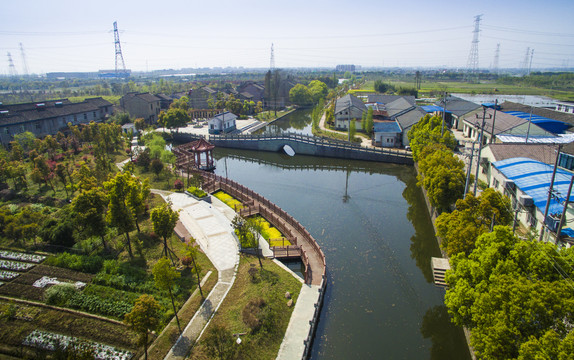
[{"x": 198, "y": 153}]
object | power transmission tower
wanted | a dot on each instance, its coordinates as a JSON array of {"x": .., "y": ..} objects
[
  {"x": 24, "y": 64},
  {"x": 472, "y": 63},
  {"x": 530, "y": 65},
  {"x": 526, "y": 61},
  {"x": 272, "y": 61},
  {"x": 120, "y": 65},
  {"x": 496, "y": 60},
  {"x": 11, "y": 66}
]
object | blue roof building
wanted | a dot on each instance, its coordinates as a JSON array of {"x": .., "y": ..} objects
[
  {"x": 527, "y": 182},
  {"x": 550, "y": 125}
]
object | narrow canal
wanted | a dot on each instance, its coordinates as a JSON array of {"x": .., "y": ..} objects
[{"x": 371, "y": 222}]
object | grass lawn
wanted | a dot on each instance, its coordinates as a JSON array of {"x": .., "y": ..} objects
[
  {"x": 428, "y": 88},
  {"x": 268, "y": 284},
  {"x": 170, "y": 334}
]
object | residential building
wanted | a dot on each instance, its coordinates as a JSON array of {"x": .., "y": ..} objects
[
  {"x": 142, "y": 105},
  {"x": 456, "y": 109},
  {"x": 527, "y": 183},
  {"x": 222, "y": 123},
  {"x": 49, "y": 117},
  {"x": 406, "y": 114},
  {"x": 387, "y": 134},
  {"x": 251, "y": 91},
  {"x": 502, "y": 124},
  {"x": 563, "y": 116},
  {"x": 348, "y": 108},
  {"x": 565, "y": 106},
  {"x": 202, "y": 98}
]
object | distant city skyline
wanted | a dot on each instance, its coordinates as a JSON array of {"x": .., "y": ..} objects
[{"x": 69, "y": 36}]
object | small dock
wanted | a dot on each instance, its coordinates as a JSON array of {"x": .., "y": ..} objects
[
  {"x": 286, "y": 252},
  {"x": 439, "y": 268}
]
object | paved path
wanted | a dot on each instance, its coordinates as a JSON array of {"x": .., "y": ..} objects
[{"x": 210, "y": 226}]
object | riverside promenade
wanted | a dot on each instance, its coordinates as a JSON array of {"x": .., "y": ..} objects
[{"x": 210, "y": 226}]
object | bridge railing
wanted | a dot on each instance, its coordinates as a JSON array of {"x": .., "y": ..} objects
[{"x": 314, "y": 140}]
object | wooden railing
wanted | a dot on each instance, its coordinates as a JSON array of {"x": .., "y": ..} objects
[{"x": 272, "y": 213}]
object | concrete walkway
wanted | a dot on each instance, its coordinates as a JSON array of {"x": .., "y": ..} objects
[{"x": 210, "y": 226}]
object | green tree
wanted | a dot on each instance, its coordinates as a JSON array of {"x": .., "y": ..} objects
[
  {"x": 140, "y": 124},
  {"x": 120, "y": 214},
  {"x": 510, "y": 293},
  {"x": 442, "y": 175},
  {"x": 138, "y": 193},
  {"x": 300, "y": 95},
  {"x": 370, "y": 122},
  {"x": 163, "y": 220},
  {"x": 191, "y": 254},
  {"x": 318, "y": 90},
  {"x": 473, "y": 217},
  {"x": 165, "y": 276},
  {"x": 156, "y": 167},
  {"x": 144, "y": 318},
  {"x": 174, "y": 118},
  {"x": 427, "y": 132},
  {"x": 352, "y": 129},
  {"x": 89, "y": 207}
]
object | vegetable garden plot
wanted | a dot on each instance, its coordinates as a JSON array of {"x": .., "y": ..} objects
[
  {"x": 49, "y": 341},
  {"x": 15, "y": 265},
  {"x": 13, "y": 255},
  {"x": 16, "y": 290},
  {"x": 8, "y": 275},
  {"x": 61, "y": 273}
]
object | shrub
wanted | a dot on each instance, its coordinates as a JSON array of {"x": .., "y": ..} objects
[
  {"x": 196, "y": 192},
  {"x": 178, "y": 184},
  {"x": 252, "y": 313},
  {"x": 83, "y": 263},
  {"x": 59, "y": 294}
]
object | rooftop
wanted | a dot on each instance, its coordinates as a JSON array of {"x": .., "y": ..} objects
[{"x": 533, "y": 178}]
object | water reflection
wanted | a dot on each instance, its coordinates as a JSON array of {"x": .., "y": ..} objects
[
  {"x": 444, "y": 347},
  {"x": 298, "y": 122},
  {"x": 423, "y": 243},
  {"x": 377, "y": 244}
]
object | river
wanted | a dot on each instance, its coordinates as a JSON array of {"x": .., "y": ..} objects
[{"x": 372, "y": 224}]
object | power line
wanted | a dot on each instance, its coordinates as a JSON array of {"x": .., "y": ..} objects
[{"x": 505, "y": 29}]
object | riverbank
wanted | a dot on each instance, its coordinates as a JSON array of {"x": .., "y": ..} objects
[
  {"x": 433, "y": 213},
  {"x": 210, "y": 225}
]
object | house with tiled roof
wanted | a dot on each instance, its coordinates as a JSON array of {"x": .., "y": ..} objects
[
  {"x": 142, "y": 105},
  {"x": 455, "y": 109},
  {"x": 199, "y": 98},
  {"x": 348, "y": 108},
  {"x": 49, "y": 117},
  {"x": 499, "y": 124}
]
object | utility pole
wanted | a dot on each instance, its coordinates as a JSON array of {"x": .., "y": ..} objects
[
  {"x": 24, "y": 64},
  {"x": 466, "y": 184},
  {"x": 349, "y": 118},
  {"x": 443, "y": 114},
  {"x": 549, "y": 194},
  {"x": 479, "y": 148},
  {"x": 563, "y": 217},
  {"x": 493, "y": 121},
  {"x": 529, "y": 122}
]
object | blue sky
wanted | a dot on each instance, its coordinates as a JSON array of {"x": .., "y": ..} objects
[{"x": 60, "y": 35}]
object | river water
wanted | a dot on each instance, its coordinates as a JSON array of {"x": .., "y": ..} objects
[{"x": 372, "y": 224}]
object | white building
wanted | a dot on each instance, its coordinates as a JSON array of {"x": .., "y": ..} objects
[{"x": 222, "y": 123}]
